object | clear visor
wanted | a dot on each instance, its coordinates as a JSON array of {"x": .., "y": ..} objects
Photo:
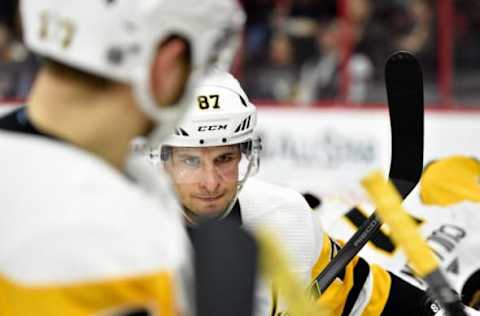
[{"x": 210, "y": 166}]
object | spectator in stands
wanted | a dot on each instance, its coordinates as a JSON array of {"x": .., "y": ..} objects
[
  {"x": 422, "y": 38},
  {"x": 319, "y": 77},
  {"x": 302, "y": 22},
  {"x": 275, "y": 78},
  {"x": 258, "y": 30}
]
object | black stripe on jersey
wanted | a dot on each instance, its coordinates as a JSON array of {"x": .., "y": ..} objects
[
  {"x": 335, "y": 248},
  {"x": 360, "y": 275},
  {"x": 405, "y": 299},
  {"x": 19, "y": 122}
]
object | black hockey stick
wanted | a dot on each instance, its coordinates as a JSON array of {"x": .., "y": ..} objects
[{"x": 404, "y": 84}]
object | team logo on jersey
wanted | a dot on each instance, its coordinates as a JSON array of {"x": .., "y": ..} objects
[
  {"x": 453, "y": 267},
  {"x": 444, "y": 242}
]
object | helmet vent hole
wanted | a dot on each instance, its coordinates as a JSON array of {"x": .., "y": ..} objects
[
  {"x": 115, "y": 55},
  {"x": 201, "y": 141},
  {"x": 224, "y": 140}
]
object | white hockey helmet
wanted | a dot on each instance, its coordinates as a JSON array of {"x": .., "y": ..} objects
[
  {"x": 221, "y": 115},
  {"x": 117, "y": 39}
]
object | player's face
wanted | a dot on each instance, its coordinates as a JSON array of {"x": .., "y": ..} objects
[{"x": 205, "y": 178}]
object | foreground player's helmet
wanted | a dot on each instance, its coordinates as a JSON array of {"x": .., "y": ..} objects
[
  {"x": 117, "y": 39},
  {"x": 221, "y": 115}
]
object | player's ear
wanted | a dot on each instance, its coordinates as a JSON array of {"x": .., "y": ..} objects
[{"x": 170, "y": 70}]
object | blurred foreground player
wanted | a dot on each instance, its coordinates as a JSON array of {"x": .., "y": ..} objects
[
  {"x": 211, "y": 156},
  {"x": 78, "y": 236},
  {"x": 446, "y": 206}
]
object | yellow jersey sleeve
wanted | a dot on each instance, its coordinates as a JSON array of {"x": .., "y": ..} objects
[{"x": 137, "y": 295}]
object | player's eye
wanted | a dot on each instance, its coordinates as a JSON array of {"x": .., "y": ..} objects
[
  {"x": 191, "y": 161},
  {"x": 225, "y": 158}
]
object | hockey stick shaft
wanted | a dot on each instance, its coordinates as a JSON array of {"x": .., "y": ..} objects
[
  {"x": 405, "y": 99},
  {"x": 345, "y": 255},
  {"x": 405, "y": 234}
]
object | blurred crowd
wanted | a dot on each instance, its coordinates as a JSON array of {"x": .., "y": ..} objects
[
  {"x": 17, "y": 65},
  {"x": 303, "y": 51}
]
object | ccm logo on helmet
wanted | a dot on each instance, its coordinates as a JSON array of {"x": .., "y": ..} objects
[{"x": 207, "y": 128}]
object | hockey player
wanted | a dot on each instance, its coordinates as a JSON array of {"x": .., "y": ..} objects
[
  {"x": 78, "y": 236},
  {"x": 211, "y": 155},
  {"x": 445, "y": 205}
]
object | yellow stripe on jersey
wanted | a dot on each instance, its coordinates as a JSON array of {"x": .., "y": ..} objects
[
  {"x": 323, "y": 258},
  {"x": 451, "y": 180},
  {"x": 342, "y": 294},
  {"x": 380, "y": 291},
  {"x": 335, "y": 296},
  {"x": 153, "y": 294}
]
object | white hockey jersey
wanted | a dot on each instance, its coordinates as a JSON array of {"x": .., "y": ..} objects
[
  {"x": 78, "y": 238},
  {"x": 283, "y": 211},
  {"x": 446, "y": 206},
  {"x": 362, "y": 289}
]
